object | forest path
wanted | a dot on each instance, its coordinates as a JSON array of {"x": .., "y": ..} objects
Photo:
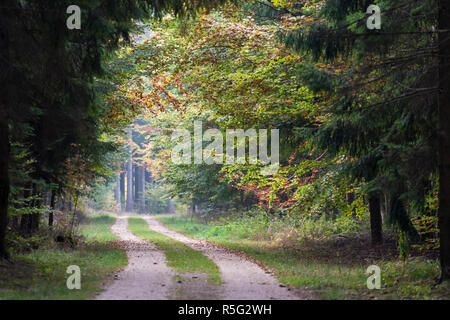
[
  {"x": 146, "y": 277},
  {"x": 242, "y": 279}
]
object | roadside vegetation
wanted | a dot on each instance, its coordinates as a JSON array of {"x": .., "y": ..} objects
[
  {"x": 40, "y": 273},
  {"x": 180, "y": 257},
  {"x": 96, "y": 227},
  {"x": 332, "y": 266}
]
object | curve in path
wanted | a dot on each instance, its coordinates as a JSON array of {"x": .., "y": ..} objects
[
  {"x": 243, "y": 279},
  {"x": 146, "y": 277}
]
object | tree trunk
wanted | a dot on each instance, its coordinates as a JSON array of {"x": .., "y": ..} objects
[
  {"x": 141, "y": 189},
  {"x": 136, "y": 187},
  {"x": 148, "y": 180},
  {"x": 384, "y": 207},
  {"x": 117, "y": 191},
  {"x": 130, "y": 202},
  {"x": 444, "y": 137},
  {"x": 129, "y": 206},
  {"x": 122, "y": 187},
  {"x": 4, "y": 183},
  {"x": 52, "y": 208},
  {"x": 375, "y": 220},
  {"x": 4, "y": 131}
]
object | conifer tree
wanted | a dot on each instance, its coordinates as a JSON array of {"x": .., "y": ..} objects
[{"x": 389, "y": 100}]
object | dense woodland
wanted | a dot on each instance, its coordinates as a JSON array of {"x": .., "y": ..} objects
[{"x": 87, "y": 116}]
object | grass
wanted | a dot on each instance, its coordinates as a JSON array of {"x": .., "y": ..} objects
[
  {"x": 334, "y": 269},
  {"x": 41, "y": 274},
  {"x": 96, "y": 227},
  {"x": 180, "y": 257}
]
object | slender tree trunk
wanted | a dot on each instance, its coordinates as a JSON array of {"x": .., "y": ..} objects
[
  {"x": 122, "y": 187},
  {"x": 142, "y": 189},
  {"x": 52, "y": 208},
  {"x": 384, "y": 206},
  {"x": 130, "y": 202},
  {"x": 375, "y": 220},
  {"x": 117, "y": 191},
  {"x": 136, "y": 187},
  {"x": 444, "y": 137},
  {"x": 129, "y": 206},
  {"x": 148, "y": 180}
]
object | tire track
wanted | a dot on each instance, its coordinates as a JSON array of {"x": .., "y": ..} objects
[
  {"x": 243, "y": 279},
  {"x": 146, "y": 277}
]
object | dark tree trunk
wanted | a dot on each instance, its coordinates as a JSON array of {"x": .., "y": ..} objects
[
  {"x": 444, "y": 137},
  {"x": 5, "y": 74},
  {"x": 4, "y": 184},
  {"x": 52, "y": 208},
  {"x": 375, "y": 220},
  {"x": 384, "y": 206}
]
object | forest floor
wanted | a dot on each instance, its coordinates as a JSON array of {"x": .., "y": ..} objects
[
  {"x": 40, "y": 273},
  {"x": 154, "y": 273}
]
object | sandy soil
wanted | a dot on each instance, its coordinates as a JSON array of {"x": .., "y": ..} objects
[
  {"x": 148, "y": 277},
  {"x": 243, "y": 279}
]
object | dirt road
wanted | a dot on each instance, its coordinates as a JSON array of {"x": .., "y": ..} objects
[{"x": 148, "y": 277}]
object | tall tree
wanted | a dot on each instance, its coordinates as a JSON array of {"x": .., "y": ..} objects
[
  {"x": 6, "y": 31},
  {"x": 386, "y": 112},
  {"x": 444, "y": 135}
]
